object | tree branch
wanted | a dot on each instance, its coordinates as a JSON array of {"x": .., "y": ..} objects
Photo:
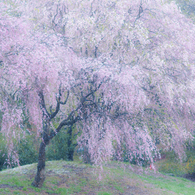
[
  {"x": 63, "y": 103},
  {"x": 53, "y": 114},
  {"x": 42, "y": 104}
]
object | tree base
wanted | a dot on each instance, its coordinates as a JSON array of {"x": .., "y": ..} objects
[{"x": 39, "y": 179}]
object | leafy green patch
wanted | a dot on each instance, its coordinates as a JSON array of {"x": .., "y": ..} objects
[{"x": 174, "y": 168}]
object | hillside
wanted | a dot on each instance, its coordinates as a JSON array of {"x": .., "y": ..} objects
[{"x": 74, "y": 178}]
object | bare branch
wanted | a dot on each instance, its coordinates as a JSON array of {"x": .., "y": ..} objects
[
  {"x": 42, "y": 104},
  {"x": 63, "y": 103},
  {"x": 53, "y": 114}
]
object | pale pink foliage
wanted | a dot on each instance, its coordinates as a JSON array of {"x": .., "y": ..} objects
[{"x": 147, "y": 58}]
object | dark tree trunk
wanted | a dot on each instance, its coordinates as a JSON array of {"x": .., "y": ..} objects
[
  {"x": 86, "y": 156},
  {"x": 70, "y": 144},
  {"x": 40, "y": 176},
  {"x": 70, "y": 154},
  {"x": 48, "y": 135}
]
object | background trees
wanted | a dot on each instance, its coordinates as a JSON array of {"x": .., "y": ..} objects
[{"x": 122, "y": 71}]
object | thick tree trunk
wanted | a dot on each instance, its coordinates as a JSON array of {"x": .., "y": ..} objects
[
  {"x": 70, "y": 144},
  {"x": 47, "y": 135},
  {"x": 70, "y": 153},
  {"x": 40, "y": 176},
  {"x": 86, "y": 156}
]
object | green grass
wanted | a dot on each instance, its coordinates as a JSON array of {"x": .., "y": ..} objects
[
  {"x": 5, "y": 190},
  {"x": 174, "y": 184},
  {"x": 75, "y": 178},
  {"x": 104, "y": 193}
]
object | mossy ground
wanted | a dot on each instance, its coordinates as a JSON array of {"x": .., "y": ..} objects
[{"x": 75, "y": 178}]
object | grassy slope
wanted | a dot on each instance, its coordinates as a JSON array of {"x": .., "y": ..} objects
[{"x": 74, "y": 178}]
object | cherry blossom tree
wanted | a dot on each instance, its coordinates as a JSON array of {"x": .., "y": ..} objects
[
  {"x": 122, "y": 71},
  {"x": 141, "y": 33}
]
